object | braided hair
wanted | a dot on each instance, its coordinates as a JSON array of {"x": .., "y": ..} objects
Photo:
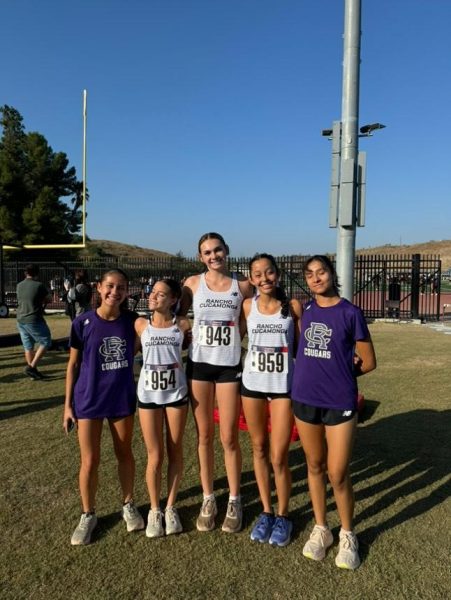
[{"x": 280, "y": 291}]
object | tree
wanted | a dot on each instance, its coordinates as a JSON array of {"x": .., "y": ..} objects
[{"x": 40, "y": 196}]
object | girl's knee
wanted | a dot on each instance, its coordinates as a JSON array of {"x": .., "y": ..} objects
[
  {"x": 316, "y": 468},
  {"x": 124, "y": 453},
  {"x": 229, "y": 441},
  {"x": 279, "y": 461},
  {"x": 339, "y": 479},
  {"x": 90, "y": 463}
]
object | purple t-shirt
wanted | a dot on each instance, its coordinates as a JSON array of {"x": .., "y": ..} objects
[
  {"x": 105, "y": 387},
  {"x": 324, "y": 371}
]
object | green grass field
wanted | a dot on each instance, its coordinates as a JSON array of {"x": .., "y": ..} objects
[{"x": 400, "y": 470}]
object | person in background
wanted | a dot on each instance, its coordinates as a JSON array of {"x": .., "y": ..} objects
[
  {"x": 32, "y": 297},
  {"x": 79, "y": 294}
]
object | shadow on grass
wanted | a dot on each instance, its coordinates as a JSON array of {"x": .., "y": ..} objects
[
  {"x": 25, "y": 407},
  {"x": 412, "y": 448}
]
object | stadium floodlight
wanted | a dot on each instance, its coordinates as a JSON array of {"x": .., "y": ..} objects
[
  {"x": 326, "y": 133},
  {"x": 368, "y": 129}
]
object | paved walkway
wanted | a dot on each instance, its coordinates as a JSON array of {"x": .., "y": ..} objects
[{"x": 441, "y": 326}]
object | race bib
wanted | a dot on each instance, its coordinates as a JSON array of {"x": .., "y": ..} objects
[
  {"x": 159, "y": 378},
  {"x": 266, "y": 359},
  {"x": 217, "y": 333}
]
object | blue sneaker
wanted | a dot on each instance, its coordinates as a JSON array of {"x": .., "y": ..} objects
[
  {"x": 261, "y": 532},
  {"x": 281, "y": 532}
]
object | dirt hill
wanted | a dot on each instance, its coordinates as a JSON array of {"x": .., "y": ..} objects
[
  {"x": 109, "y": 248},
  {"x": 441, "y": 248}
]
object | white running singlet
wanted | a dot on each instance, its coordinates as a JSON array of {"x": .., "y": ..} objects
[
  {"x": 162, "y": 379},
  {"x": 268, "y": 366},
  {"x": 216, "y": 328}
]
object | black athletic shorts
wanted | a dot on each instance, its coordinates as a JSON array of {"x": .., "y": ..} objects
[
  {"x": 317, "y": 416},
  {"x": 213, "y": 373},
  {"x": 153, "y": 405},
  {"x": 260, "y": 395}
]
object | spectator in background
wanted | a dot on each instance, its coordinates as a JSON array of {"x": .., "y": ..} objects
[
  {"x": 32, "y": 296},
  {"x": 81, "y": 293}
]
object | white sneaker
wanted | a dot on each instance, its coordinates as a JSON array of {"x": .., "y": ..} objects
[
  {"x": 319, "y": 541},
  {"x": 206, "y": 519},
  {"x": 234, "y": 517},
  {"x": 348, "y": 553},
  {"x": 132, "y": 517},
  {"x": 155, "y": 524},
  {"x": 83, "y": 531},
  {"x": 172, "y": 521}
]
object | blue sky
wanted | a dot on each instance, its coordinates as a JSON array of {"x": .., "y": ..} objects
[{"x": 206, "y": 115}]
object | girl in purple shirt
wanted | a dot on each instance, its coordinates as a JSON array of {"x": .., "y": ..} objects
[
  {"x": 100, "y": 385},
  {"x": 334, "y": 348}
]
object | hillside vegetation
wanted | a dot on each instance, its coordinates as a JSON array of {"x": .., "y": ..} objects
[
  {"x": 109, "y": 248},
  {"x": 441, "y": 248}
]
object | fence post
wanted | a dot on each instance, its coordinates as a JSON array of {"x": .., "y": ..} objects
[{"x": 415, "y": 289}]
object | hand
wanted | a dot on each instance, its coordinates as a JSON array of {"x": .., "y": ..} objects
[{"x": 69, "y": 421}]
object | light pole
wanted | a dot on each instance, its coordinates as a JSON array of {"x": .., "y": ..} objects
[
  {"x": 347, "y": 195},
  {"x": 347, "y": 200}
]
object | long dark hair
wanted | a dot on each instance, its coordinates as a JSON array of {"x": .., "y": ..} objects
[
  {"x": 328, "y": 265},
  {"x": 280, "y": 291}
]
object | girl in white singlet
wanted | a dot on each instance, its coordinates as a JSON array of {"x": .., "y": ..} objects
[
  {"x": 163, "y": 398},
  {"x": 271, "y": 321},
  {"x": 214, "y": 370}
]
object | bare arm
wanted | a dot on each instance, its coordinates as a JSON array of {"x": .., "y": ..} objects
[
  {"x": 73, "y": 367},
  {"x": 296, "y": 313},
  {"x": 366, "y": 357},
  {"x": 185, "y": 326},
  {"x": 188, "y": 291},
  {"x": 246, "y": 288},
  {"x": 245, "y": 308}
]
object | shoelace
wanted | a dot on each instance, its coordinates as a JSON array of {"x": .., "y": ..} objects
[
  {"x": 263, "y": 522},
  {"x": 170, "y": 516},
  {"x": 348, "y": 541},
  {"x": 156, "y": 517},
  {"x": 131, "y": 509},
  {"x": 84, "y": 524},
  {"x": 318, "y": 536},
  {"x": 208, "y": 506},
  {"x": 279, "y": 525},
  {"x": 232, "y": 510}
]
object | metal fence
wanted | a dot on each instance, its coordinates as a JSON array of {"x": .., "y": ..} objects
[{"x": 398, "y": 286}]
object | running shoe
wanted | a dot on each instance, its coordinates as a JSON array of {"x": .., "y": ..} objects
[
  {"x": 206, "y": 519},
  {"x": 83, "y": 531},
  {"x": 172, "y": 521},
  {"x": 261, "y": 532},
  {"x": 348, "y": 552},
  {"x": 33, "y": 372},
  {"x": 281, "y": 532},
  {"x": 319, "y": 541},
  {"x": 234, "y": 517},
  {"x": 155, "y": 524},
  {"x": 132, "y": 517}
]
